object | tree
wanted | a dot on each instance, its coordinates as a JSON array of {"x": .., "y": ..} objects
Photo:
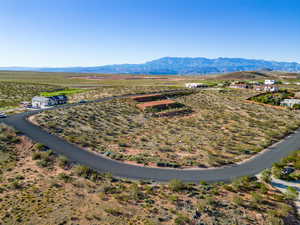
[{"x": 296, "y": 106}]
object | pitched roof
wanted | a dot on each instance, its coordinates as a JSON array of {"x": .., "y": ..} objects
[
  {"x": 40, "y": 98},
  {"x": 54, "y": 98}
]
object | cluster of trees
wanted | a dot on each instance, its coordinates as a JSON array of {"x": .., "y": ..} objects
[{"x": 272, "y": 98}]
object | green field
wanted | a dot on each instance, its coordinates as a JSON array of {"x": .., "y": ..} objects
[
  {"x": 63, "y": 92},
  {"x": 13, "y": 93}
]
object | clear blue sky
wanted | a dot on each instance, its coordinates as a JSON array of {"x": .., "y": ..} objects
[{"x": 98, "y": 32}]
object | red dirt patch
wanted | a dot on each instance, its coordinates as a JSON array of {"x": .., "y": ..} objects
[
  {"x": 143, "y": 106},
  {"x": 127, "y": 77}
]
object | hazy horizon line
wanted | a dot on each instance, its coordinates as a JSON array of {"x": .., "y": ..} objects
[{"x": 126, "y": 63}]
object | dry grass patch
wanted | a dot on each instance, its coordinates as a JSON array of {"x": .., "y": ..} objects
[
  {"x": 223, "y": 129},
  {"x": 108, "y": 91},
  {"x": 75, "y": 194},
  {"x": 13, "y": 93}
]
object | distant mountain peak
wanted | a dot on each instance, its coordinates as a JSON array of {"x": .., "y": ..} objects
[{"x": 180, "y": 66}]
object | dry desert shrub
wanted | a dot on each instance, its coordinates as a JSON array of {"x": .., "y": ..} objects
[{"x": 223, "y": 129}]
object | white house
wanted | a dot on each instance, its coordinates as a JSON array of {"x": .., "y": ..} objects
[
  {"x": 290, "y": 102},
  {"x": 195, "y": 85},
  {"x": 240, "y": 85},
  {"x": 271, "y": 88},
  {"x": 44, "y": 102},
  {"x": 270, "y": 82},
  {"x": 266, "y": 88}
]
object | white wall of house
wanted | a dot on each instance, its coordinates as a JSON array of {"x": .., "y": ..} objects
[
  {"x": 270, "y": 82},
  {"x": 290, "y": 102},
  {"x": 194, "y": 85},
  {"x": 44, "y": 102}
]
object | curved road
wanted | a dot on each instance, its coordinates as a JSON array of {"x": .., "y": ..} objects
[{"x": 251, "y": 167}]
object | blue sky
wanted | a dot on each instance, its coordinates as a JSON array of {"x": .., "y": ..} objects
[{"x": 98, "y": 32}]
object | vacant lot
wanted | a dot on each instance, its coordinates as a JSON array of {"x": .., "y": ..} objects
[
  {"x": 12, "y": 93},
  {"x": 107, "y": 91},
  {"x": 67, "y": 79},
  {"x": 39, "y": 187},
  {"x": 222, "y": 129}
]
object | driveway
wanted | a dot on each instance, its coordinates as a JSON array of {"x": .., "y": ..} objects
[{"x": 283, "y": 185}]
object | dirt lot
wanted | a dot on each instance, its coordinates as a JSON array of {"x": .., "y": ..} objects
[
  {"x": 222, "y": 130},
  {"x": 128, "y": 77},
  {"x": 155, "y": 103},
  {"x": 39, "y": 187}
]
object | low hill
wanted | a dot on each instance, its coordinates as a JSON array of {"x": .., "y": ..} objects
[
  {"x": 255, "y": 75},
  {"x": 246, "y": 75}
]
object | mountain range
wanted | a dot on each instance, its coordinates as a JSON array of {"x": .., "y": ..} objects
[{"x": 176, "y": 66}]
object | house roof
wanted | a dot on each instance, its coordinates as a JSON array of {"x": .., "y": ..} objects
[
  {"x": 58, "y": 97},
  {"x": 40, "y": 98},
  {"x": 55, "y": 98},
  {"x": 241, "y": 85}
]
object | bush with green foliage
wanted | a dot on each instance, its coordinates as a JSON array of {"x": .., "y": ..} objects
[
  {"x": 296, "y": 106},
  {"x": 82, "y": 171},
  {"x": 291, "y": 193},
  {"x": 273, "y": 98},
  {"x": 182, "y": 220},
  {"x": 65, "y": 177},
  {"x": 176, "y": 185},
  {"x": 266, "y": 175},
  {"x": 63, "y": 161}
]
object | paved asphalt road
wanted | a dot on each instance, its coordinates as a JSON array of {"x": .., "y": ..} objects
[{"x": 119, "y": 169}]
